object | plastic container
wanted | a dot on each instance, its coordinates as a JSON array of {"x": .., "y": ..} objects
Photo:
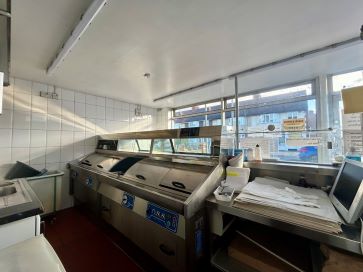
[
  {"x": 258, "y": 154},
  {"x": 237, "y": 161},
  {"x": 227, "y": 196}
]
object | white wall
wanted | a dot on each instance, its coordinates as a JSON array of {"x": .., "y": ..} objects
[{"x": 48, "y": 133}]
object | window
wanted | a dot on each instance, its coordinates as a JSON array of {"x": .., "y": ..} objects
[
  {"x": 272, "y": 107},
  {"x": 337, "y": 83},
  {"x": 258, "y": 110},
  {"x": 275, "y": 107},
  {"x": 206, "y": 114}
]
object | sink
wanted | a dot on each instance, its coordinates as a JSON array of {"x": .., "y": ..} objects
[{"x": 7, "y": 190}]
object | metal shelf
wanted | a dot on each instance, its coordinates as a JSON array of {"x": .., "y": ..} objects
[
  {"x": 348, "y": 240},
  {"x": 224, "y": 263}
]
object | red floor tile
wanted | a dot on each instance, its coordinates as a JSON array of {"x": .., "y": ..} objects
[{"x": 83, "y": 246}]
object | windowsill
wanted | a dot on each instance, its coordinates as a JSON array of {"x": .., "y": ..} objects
[{"x": 325, "y": 170}]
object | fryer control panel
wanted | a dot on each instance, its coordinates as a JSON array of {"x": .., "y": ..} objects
[{"x": 163, "y": 217}]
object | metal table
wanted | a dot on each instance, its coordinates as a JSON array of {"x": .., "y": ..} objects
[{"x": 348, "y": 240}]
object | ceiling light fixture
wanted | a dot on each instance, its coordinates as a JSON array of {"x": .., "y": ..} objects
[{"x": 83, "y": 24}]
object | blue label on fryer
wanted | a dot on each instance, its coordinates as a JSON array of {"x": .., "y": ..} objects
[
  {"x": 128, "y": 201},
  {"x": 163, "y": 217},
  {"x": 198, "y": 242}
]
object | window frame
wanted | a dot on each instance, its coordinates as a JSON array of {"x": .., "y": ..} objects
[
  {"x": 313, "y": 96},
  {"x": 334, "y": 97}
]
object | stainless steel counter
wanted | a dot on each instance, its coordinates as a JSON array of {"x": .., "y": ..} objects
[{"x": 349, "y": 240}]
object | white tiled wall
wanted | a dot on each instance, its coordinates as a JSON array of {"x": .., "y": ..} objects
[
  {"x": 48, "y": 133},
  {"x": 163, "y": 119}
]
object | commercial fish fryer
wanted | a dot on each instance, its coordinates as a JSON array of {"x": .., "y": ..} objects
[{"x": 151, "y": 186}]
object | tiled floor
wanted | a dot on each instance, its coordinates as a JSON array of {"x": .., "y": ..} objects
[{"x": 83, "y": 244}]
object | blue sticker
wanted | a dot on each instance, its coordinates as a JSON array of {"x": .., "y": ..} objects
[
  {"x": 163, "y": 217},
  {"x": 198, "y": 242},
  {"x": 128, "y": 201}
]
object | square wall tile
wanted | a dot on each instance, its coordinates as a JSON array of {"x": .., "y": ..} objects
[
  {"x": 53, "y": 138},
  {"x": 20, "y": 154},
  {"x": 67, "y": 124},
  {"x": 39, "y": 104},
  {"x": 38, "y": 138},
  {"x": 5, "y": 157},
  {"x": 79, "y": 97},
  {"x": 8, "y": 97},
  {"x": 39, "y": 120},
  {"x": 66, "y": 153},
  {"x": 125, "y": 116},
  {"x": 53, "y": 166},
  {"x": 100, "y": 127},
  {"x": 110, "y": 114},
  {"x": 54, "y": 122},
  {"x": 67, "y": 95},
  {"x": 91, "y": 125},
  {"x": 100, "y": 112},
  {"x": 39, "y": 87},
  {"x": 78, "y": 151},
  {"x": 21, "y": 120},
  {"x": 66, "y": 138},
  {"x": 67, "y": 108},
  {"x": 109, "y": 103},
  {"x": 79, "y": 123},
  {"x": 117, "y": 104},
  {"x": 101, "y": 101},
  {"x": 6, "y": 119},
  {"x": 91, "y": 99},
  {"x": 78, "y": 138},
  {"x": 21, "y": 138},
  {"x": 90, "y": 139},
  {"x": 22, "y": 102},
  {"x": 117, "y": 114},
  {"x": 37, "y": 155},
  {"x": 22, "y": 86},
  {"x": 80, "y": 109},
  {"x": 52, "y": 155},
  {"x": 5, "y": 137},
  {"x": 54, "y": 107},
  {"x": 91, "y": 111}
]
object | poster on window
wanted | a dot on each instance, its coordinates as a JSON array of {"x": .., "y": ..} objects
[
  {"x": 302, "y": 142},
  {"x": 251, "y": 142},
  {"x": 352, "y": 121},
  {"x": 294, "y": 124},
  {"x": 353, "y": 140}
]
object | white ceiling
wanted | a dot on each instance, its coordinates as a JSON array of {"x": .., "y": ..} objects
[{"x": 181, "y": 43}]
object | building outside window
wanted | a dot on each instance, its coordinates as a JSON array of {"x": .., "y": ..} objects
[{"x": 276, "y": 108}]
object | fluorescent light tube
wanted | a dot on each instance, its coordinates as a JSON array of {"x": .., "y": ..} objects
[{"x": 77, "y": 32}]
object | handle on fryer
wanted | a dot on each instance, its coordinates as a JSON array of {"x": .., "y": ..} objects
[
  {"x": 141, "y": 177},
  {"x": 178, "y": 184},
  {"x": 166, "y": 250}
]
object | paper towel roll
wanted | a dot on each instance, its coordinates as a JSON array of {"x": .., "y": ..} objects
[{"x": 237, "y": 177}]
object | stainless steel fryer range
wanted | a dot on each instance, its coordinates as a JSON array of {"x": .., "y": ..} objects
[{"x": 156, "y": 200}]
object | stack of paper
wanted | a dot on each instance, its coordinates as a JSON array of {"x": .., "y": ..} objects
[{"x": 307, "y": 207}]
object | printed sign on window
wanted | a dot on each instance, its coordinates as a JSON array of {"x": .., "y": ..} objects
[{"x": 294, "y": 124}]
